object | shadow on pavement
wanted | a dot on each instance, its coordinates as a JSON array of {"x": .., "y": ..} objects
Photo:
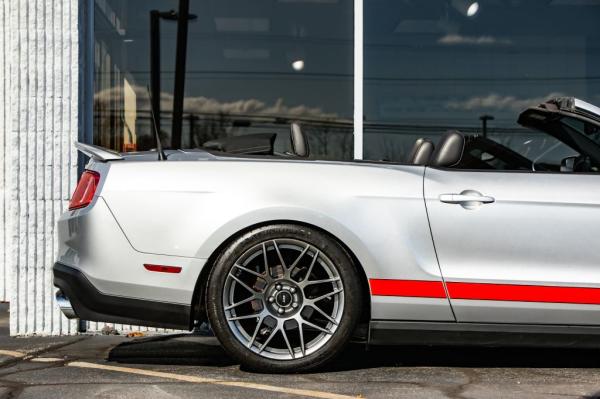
[
  {"x": 357, "y": 357},
  {"x": 187, "y": 349},
  {"x": 181, "y": 349}
]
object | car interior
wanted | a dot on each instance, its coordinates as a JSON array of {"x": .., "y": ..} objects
[
  {"x": 558, "y": 142},
  {"x": 449, "y": 150},
  {"x": 262, "y": 144},
  {"x": 421, "y": 152}
]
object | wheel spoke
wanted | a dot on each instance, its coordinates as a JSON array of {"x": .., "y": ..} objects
[
  {"x": 250, "y": 316},
  {"x": 264, "y": 250},
  {"x": 251, "y": 342},
  {"x": 298, "y": 258},
  {"x": 312, "y": 264},
  {"x": 279, "y": 255},
  {"x": 287, "y": 342},
  {"x": 243, "y": 301},
  {"x": 331, "y": 319},
  {"x": 334, "y": 292},
  {"x": 246, "y": 286},
  {"x": 257, "y": 274},
  {"x": 316, "y": 327},
  {"x": 328, "y": 280},
  {"x": 302, "y": 346},
  {"x": 264, "y": 345}
]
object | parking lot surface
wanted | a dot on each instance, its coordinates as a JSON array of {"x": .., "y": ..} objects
[{"x": 181, "y": 366}]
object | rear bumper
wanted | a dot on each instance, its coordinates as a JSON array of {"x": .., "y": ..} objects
[
  {"x": 91, "y": 241},
  {"x": 89, "y": 303}
]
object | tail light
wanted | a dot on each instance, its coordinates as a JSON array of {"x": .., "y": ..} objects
[{"x": 86, "y": 188}]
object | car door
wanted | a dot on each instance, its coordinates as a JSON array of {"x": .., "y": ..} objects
[
  {"x": 530, "y": 256},
  {"x": 515, "y": 245}
]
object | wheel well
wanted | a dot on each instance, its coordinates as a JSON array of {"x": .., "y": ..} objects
[{"x": 198, "y": 313}]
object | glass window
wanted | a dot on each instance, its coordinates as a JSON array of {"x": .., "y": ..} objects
[
  {"x": 531, "y": 151},
  {"x": 252, "y": 67},
  {"x": 438, "y": 65},
  {"x": 122, "y": 75},
  {"x": 558, "y": 143}
]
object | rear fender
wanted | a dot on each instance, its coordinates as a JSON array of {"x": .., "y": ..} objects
[{"x": 288, "y": 214}]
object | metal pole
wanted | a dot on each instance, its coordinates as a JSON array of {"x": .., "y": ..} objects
[
  {"x": 180, "y": 61},
  {"x": 358, "y": 79},
  {"x": 484, "y": 119},
  {"x": 155, "y": 63}
]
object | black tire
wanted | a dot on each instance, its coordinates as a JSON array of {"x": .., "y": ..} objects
[{"x": 352, "y": 299}]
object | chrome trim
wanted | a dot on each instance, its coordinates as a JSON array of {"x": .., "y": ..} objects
[{"x": 65, "y": 305}]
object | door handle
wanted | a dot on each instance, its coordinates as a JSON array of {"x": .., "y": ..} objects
[
  {"x": 462, "y": 198},
  {"x": 467, "y": 198}
]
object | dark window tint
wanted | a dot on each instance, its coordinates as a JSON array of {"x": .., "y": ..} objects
[
  {"x": 564, "y": 144},
  {"x": 431, "y": 66},
  {"x": 253, "y": 67},
  {"x": 534, "y": 151}
]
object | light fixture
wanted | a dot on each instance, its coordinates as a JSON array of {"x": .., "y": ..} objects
[
  {"x": 298, "y": 65},
  {"x": 467, "y": 8},
  {"x": 473, "y": 9}
]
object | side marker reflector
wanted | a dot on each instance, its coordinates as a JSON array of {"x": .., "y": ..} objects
[{"x": 162, "y": 268}]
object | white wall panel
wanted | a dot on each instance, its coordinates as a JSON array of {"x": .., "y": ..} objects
[
  {"x": 39, "y": 101},
  {"x": 4, "y": 127}
]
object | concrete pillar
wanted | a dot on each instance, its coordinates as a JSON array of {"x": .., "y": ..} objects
[
  {"x": 4, "y": 127},
  {"x": 39, "y": 105}
]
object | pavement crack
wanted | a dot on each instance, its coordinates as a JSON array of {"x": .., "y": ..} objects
[
  {"x": 29, "y": 355},
  {"x": 43, "y": 366}
]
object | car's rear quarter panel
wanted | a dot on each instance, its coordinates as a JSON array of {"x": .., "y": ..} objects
[{"x": 187, "y": 209}]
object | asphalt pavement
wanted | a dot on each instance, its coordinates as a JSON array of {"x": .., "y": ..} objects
[{"x": 184, "y": 365}]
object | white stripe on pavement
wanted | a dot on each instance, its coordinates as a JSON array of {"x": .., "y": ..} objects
[
  {"x": 12, "y": 353},
  {"x": 46, "y": 359},
  {"x": 203, "y": 380}
]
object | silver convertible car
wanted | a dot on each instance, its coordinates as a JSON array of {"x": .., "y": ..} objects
[{"x": 488, "y": 239}]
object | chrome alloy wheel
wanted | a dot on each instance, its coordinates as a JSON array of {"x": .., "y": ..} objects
[{"x": 283, "y": 299}]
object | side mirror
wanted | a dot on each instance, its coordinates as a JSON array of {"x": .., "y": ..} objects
[{"x": 299, "y": 142}]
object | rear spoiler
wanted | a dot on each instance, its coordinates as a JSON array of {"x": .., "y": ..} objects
[{"x": 98, "y": 153}]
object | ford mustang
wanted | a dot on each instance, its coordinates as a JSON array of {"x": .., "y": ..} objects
[{"x": 488, "y": 239}]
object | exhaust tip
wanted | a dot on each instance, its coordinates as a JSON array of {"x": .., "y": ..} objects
[{"x": 65, "y": 305}]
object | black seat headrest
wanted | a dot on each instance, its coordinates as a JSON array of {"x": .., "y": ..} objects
[
  {"x": 449, "y": 150},
  {"x": 421, "y": 152}
]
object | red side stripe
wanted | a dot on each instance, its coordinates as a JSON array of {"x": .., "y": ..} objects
[
  {"x": 162, "y": 268},
  {"x": 421, "y": 289},
  {"x": 523, "y": 293},
  {"x": 486, "y": 291}
]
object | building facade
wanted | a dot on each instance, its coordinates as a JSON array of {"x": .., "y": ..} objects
[
  {"x": 39, "y": 122},
  {"x": 364, "y": 78}
]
